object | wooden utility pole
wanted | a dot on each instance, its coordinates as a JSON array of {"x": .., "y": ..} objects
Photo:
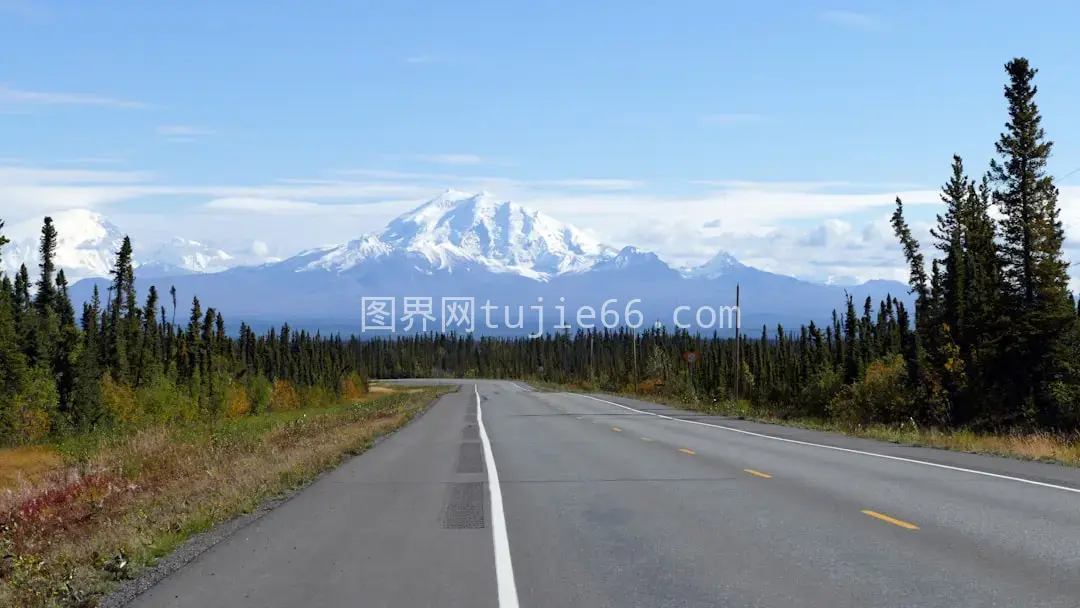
[{"x": 738, "y": 344}]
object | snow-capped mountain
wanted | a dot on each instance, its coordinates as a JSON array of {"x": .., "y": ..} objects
[
  {"x": 87, "y": 243},
  {"x": 498, "y": 252},
  {"x": 722, "y": 263},
  {"x": 183, "y": 256},
  {"x": 457, "y": 231}
]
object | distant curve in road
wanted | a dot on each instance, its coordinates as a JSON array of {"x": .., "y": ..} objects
[{"x": 501, "y": 496}]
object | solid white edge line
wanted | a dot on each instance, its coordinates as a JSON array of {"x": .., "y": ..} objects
[
  {"x": 839, "y": 449},
  {"x": 504, "y": 567}
]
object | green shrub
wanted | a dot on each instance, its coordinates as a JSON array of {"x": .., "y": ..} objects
[
  {"x": 163, "y": 401},
  {"x": 259, "y": 392},
  {"x": 880, "y": 396}
]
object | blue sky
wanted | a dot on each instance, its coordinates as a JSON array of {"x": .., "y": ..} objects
[{"x": 171, "y": 108}]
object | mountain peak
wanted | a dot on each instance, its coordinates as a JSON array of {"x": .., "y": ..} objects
[
  {"x": 460, "y": 230},
  {"x": 717, "y": 266}
]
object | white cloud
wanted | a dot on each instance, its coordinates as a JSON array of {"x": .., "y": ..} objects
[
  {"x": 850, "y": 19},
  {"x": 593, "y": 183},
  {"x": 262, "y": 205},
  {"x": 21, "y": 96},
  {"x": 450, "y": 159},
  {"x": 91, "y": 160},
  {"x": 31, "y": 176},
  {"x": 260, "y": 248}
]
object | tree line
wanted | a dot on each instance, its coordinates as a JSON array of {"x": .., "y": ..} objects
[{"x": 126, "y": 362}]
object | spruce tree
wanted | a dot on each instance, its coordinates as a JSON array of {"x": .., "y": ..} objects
[
  {"x": 1035, "y": 272},
  {"x": 86, "y": 407},
  {"x": 44, "y": 300},
  {"x": 66, "y": 347},
  {"x": 851, "y": 360},
  {"x": 22, "y": 290},
  {"x": 65, "y": 311},
  {"x": 117, "y": 335},
  {"x": 949, "y": 233},
  {"x": 12, "y": 360}
]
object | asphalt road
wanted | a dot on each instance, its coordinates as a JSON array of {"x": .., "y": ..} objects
[{"x": 609, "y": 502}]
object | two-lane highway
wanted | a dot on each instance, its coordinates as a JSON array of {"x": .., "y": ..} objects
[{"x": 503, "y": 496}]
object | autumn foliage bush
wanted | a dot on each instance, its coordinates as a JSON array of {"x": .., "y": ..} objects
[
  {"x": 284, "y": 397},
  {"x": 237, "y": 404}
]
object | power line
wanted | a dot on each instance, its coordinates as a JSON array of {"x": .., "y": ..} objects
[{"x": 1069, "y": 174}]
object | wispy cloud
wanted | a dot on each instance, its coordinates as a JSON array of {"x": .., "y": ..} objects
[
  {"x": 593, "y": 183},
  {"x": 262, "y": 205},
  {"x": 730, "y": 118},
  {"x": 22, "y": 96},
  {"x": 849, "y": 19},
  {"x": 184, "y": 134},
  {"x": 451, "y": 159},
  {"x": 808, "y": 186},
  {"x": 415, "y": 59},
  {"x": 95, "y": 160},
  {"x": 23, "y": 175},
  {"x": 497, "y": 184}
]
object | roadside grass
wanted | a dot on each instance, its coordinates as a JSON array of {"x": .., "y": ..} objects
[
  {"x": 118, "y": 502},
  {"x": 1055, "y": 448},
  {"x": 25, "y": 465}
]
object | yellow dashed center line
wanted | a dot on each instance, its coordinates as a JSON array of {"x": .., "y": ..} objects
[
  {"x": 686, "y": 451},
  {"x": 758, "y": 473},
  {"x": 895, "y": 522},
  {"x": 646, "y": 439},
  {"x": 616, "y": 429}
]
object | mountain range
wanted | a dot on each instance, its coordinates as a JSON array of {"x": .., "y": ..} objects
[
  {"x": 525, "y": 263},
  {"x": 87, "y": 243}
]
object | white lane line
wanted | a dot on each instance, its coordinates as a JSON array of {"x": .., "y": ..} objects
[
  {"x": 515, "y": 385},
  {"x": 848, "y": 450},
  {"x": 504, "y": 567}
]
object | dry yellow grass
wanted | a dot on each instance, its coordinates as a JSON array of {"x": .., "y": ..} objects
[
  {"x": 1046, "y": 447},
  {"x": 141, "y": 496},
  {"x": 26, "y": 465}
]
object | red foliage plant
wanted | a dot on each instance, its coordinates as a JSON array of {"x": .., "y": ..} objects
[{"x": 59, "y": 509}]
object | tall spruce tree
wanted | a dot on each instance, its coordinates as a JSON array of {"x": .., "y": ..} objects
[
  {"x": 1035, "y": 272},
  {"x": 117, "y": 334}
]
